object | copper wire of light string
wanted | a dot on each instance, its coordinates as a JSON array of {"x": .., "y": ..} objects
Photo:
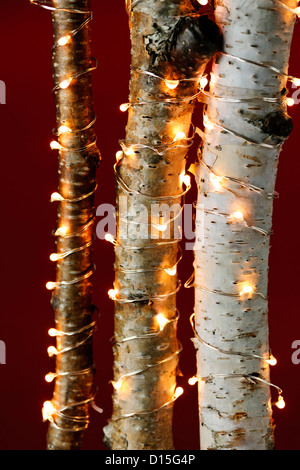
[{"x": 82, "y": 421}]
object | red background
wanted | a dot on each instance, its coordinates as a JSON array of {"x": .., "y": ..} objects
[{"x": 29, "y": 176}]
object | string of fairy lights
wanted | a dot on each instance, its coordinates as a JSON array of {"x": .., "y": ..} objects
[
  {"x": 128, "y": 151},
  {"x": 218, "y": 182},
  {"x": 50, "y": 409}
]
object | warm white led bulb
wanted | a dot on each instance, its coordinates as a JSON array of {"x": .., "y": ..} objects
[
  {"x": 129, "y": 151},
  {"x": 109, "y": 238},
  {"x": 50, "y": 285},
  {"x": 119, "y": 155},
  {"x": 124, "y": 107},
  {"x": 280, "y": 403},
  {"x": 185, "y": 179},
  {"x": 162, "y": 321},
  {"x": 296, "y": 81},
  {"x": 179, "y": 136},
  {"x": 50, "y": 377},
  {"x": 203, "y": 2},
  {"x": 247, "y": 290},
  {"x": 52, "y": 351},
  {"x": 203, "y": 82},
  {"x": 53, "y": 332},
  {"x": 171, "y": 271},
  {"x": 64, "y": 40},
  {"x": 65, "y": 83},
  {"x": 193, "y": 380},
  {"x": 178, "y": 392},
  {"x": 112, "y": 294},
  {"x": 237, "y": 216},
  {"x": 161, "y": 227},
  {"x": 216, "y": 181},
  {"x": 54, "y": 257},
  {"x": 290, "y": 102},
  {"x": 55, "y": 145},
  {"x": 272, "y": 360},
  {"x": 172, "y": 84},
  {"x": 56, "y": 197},
  {"x": 64, "y": 129},
  {"x": 48, "y": 411},
  {"x": 61, "y": 231},
  {"x": 117, "y": 385}
]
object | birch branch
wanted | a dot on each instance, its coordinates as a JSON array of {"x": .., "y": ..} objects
[
  {"x": 68, "y": 411},
  {"x": 246, "y": 123},
  {"x": 170, "y": 49}
]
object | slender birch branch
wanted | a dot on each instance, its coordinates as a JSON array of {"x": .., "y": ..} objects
[
  {"x": 167, "y": 44},
  {"x": 78, "y": 159},
  {"x": 246, "y": 123}
]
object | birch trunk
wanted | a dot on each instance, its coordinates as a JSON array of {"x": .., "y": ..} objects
[
  {"x": 231, "y": 253},
  {"x": 78, "y": 160},
  {"x": 152, "y": 163}
]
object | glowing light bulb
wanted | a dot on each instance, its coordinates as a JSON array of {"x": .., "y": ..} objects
[
  {"x": 50, "y": 285},
  {"x": 65, "y": 83},
  {"x": 290, "y": 102},
  {"x": 193, "y": 380},
  {"x": 61, "y": 231},
  {"x": 109, "y": 238},
  {"x": 52, "y": 351},
  {"x": 124, "y": 107},
  {"x": 203, "y": 82},
  {"x": 216, "y": 181},
  {"x": 178, "y": 392},
  {"x": 171, "y": 271},
  {"x": 179, "y": 136},
  {"x": 162, "y": 321},
  {"x": 280, "y": 403},
  {"x": 117, "y": 385},
  {"x": 54, "y": 257},
  {"x": 112, "y": 294},
  {"x": 64, "y": 129},
  {"x": 172, "y": 84},
  {"x": 207, "y": 123},
  {"x": 247, "y": 290},
  {"x": 50, "y": 377},
  {"x": 203, "y": 2},
  {"x": 55, "y": 145},
  {"x": 119, "y": 155},
  {"x": 53, "y": 332},
  {"x": 129, "y": 151},
  {"x": 237, "y": 216},
  {"x": 48, "y": 411},
  {"x": 296, "y": 81},
  {"x": 185, "y": 179},
  {"x": 56, "y": 197},
  {"x": 272, "y": 360},
  {"x": 64, "y": 40},
  {"x": 161, "y": 227}
]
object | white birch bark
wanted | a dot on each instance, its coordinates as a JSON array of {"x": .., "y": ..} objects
[{"x": 235, "y": 412}]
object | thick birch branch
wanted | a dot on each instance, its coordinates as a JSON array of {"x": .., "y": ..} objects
[
  {"x": 234, "y": 222},
  {"x": 153, "y": 164},
  {"x": 78, "y": 160}
]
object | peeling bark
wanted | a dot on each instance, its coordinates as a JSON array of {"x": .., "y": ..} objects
[
  {"x": 235, "y": 410},
  {"x": 72, "y": 302},
  {"x": 157, "y": 33}
]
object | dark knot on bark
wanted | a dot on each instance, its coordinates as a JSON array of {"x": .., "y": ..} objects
[{"x": 187, "y": 50}]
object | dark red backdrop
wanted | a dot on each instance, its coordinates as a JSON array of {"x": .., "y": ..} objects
[{"x": 29, "y": 176}]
